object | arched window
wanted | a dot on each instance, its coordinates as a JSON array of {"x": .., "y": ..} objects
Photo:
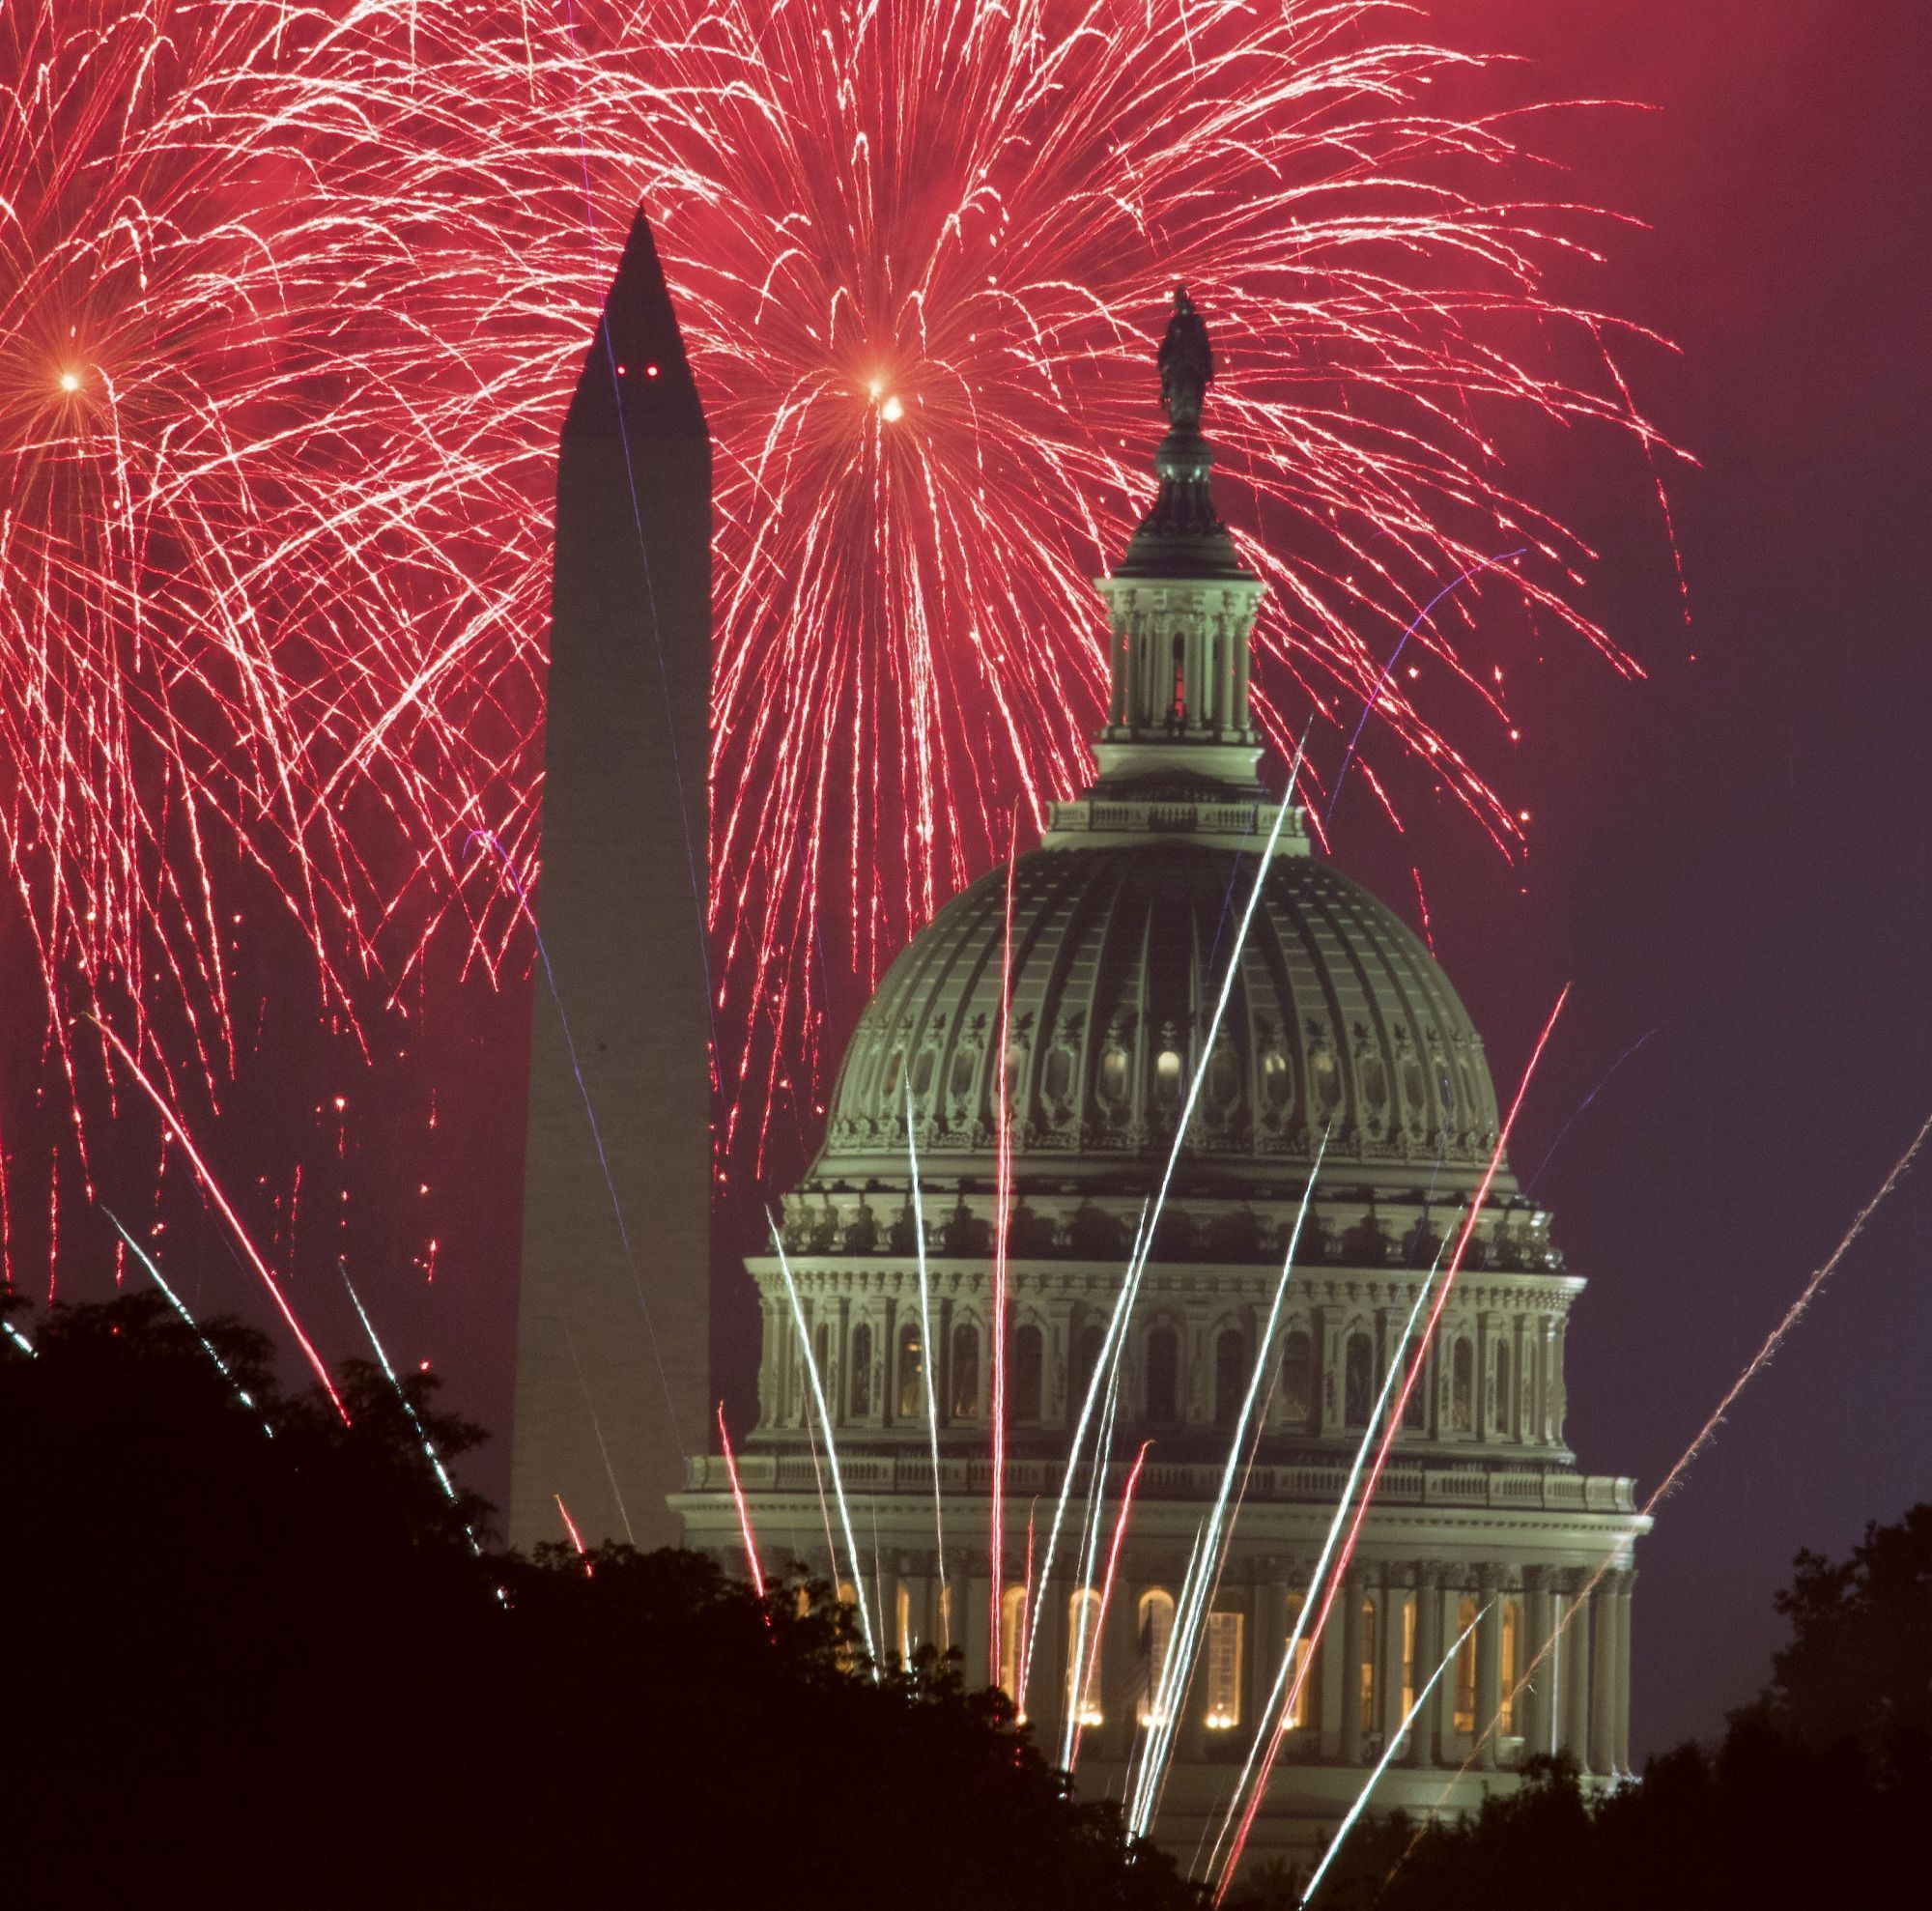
[
  {"x": 1163, "y": 1376},
  {"x": 1024, "y": 1369},
  {"x": 1084, "y": 1685},
  {"x": 1224, "y": 1076},
  {"x": 1087, "y": 1345},
  {"x": 1358, "y": 1389},
  {"x": 1179, "y": 712},
  {"x": 859, "y": 1393},
  {"x": 1463, "y": 1388},
  {"x": 922, "y": 1073},
  {"x": 821, "y": 1358},
  {"x": 1156, "y": 1628},
  {"x": 1297, "y": 1379},
  {"x": 1114, "y": 1077},
  {"x": 1499, "y": 1399},
  {"x": 1057, "y": 1076},
  {"x": 1466, "y": 1667},
  {"x": 1408, "y": 1649},
  {"x": 1167, "y": 1078},
  {"x": 965, "y": 1393},
  {"x": 1415, "y": 1407},
  {"x": 1327, "y": 1084},
  {"x": 1301, "y": 1702},
  {"x": 902, "y": 1623},
  {"x": 1015, "y": 1070},
  {"x": 1512, "y": 1648},
  {"x": 1224, "y": 1670},
  {"x": 1276, "y": 1083},
  {"x": 1368, "y": 1666},
  {"x": 945, "y": 1639},
  {"x": 910, "y": 1402},
  {"x": 1231, "y": 1375},
  {"x": 1012, "y": 1638},
  {"x": 965, "y": 1064},
  {"x": 888, "y": 1082}
]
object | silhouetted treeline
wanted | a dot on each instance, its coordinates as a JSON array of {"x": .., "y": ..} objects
[{"x": 250, "y": 1657}]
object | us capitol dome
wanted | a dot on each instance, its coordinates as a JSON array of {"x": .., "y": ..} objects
[{"x": 1076, "y": 992}]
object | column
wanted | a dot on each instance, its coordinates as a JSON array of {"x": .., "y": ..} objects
[
  {"x": 1329, "y": 1656},
  {"x": 972, "y": 1592},
  {"x": 1573, "y": 1683},
  {"x": 1620, "y": 1690},
  {"x": 1268, "y": 1643},
  {"x": 1115, "y": 676},
  {"x": 1484, "y": 1333},
  {"x": 1119, "y": 1688},
  {"x": 1352, "y": 1670},
  {"x": 1538, "y": 1714},
  {"x": 1429, "y": 1649},
  {"x": 1489, "y": 1668},
  {"x": 1603, "y": 1683}
]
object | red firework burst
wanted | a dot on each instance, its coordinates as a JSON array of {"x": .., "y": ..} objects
[{"x": 294, "y": 296}]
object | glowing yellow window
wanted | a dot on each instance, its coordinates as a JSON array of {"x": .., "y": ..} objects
[
  {"x": 1466, "y": 1668},
  {"x": 1082, "y": 1657},
  {"x": 1224, "y": 1670}
]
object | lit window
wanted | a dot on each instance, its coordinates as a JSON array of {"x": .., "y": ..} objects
[
  {"x": 848, "y": 1601},
  {"x": 902, "y": 1623},
  {"x": 945, "y": 1617},
  {"x": 965, "y": 1373},
  {"x": 1368, "y": 1667},
  {"x": 1224, "y": 1670},
  {"x": 1512, "y": 1621},
  {"x": 1407, "y": 1654},
  {"x": 1276, "y": 1082},
  {"x": 1300, "y": 1673},
  {"x": 1015, "y": 1068},
  {"x": 1167, "y": 1077},
  {"x": 1328, "y": 1083},
  {"x": 1113, "y": 1077},
  {"x": 1012, "y": 1638},
  {"x": 912, "y": 1375},
  {"x": 1157, "y": 1616},
  {"x": 1082, "y": 1657},
  {"x": 1465, "y": 1668}
]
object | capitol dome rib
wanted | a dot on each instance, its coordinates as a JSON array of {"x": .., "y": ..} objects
[{"x": 1338, "y": 1022}]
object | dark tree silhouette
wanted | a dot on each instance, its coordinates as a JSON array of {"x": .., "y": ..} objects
[{"x": 250, "y": 1657}]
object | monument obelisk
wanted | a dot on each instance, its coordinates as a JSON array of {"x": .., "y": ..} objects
[{"x": 612, "y": 1325}]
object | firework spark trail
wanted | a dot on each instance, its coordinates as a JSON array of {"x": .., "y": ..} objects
[
  {"x": 214, "y": 1188},
  {"x": 576, "y": 1537},
  {"x": 1549, "y": 1153},
  {"x": 20, "y": 1340},
  {"x": 1388, "y": 670},
  {"x": 597, "y": 1428},
  {"x": 1197, "y": 1591},
  {"x": 1285, "y": 1696},
  {"x": 1144, "y": 1244},
  {"x": 1082, "y": 1683},
  {"x": 179, "y": 1307},
  {"x": 276, "y": 555},
  {"x": 1707, "y": 1433},
  {"x": 830, "y": 1447},
  {"x": 1092, "y": 1524},
  {"x": 1382, "y": 1763},
  {"x": 931, "y": 1351},
  {"x": 1003, "y": 1203},
  {"x": 738, "y": 1500},
  {"x": 428, "y": 1445},
  {"x": 1387, "y": 1440}
]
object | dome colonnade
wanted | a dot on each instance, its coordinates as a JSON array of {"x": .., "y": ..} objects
[{"x": 1345, "y": 1075}]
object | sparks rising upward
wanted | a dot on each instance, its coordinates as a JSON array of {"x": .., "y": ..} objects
[{"x": 294, "y": 296}]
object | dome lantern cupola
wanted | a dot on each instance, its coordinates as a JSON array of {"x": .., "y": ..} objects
[
  {"x": 1178, "y": 752},
  {"x": 1181, "y": 604}
]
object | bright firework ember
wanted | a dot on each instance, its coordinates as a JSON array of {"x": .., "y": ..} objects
[{"x": 294, "y": 298}]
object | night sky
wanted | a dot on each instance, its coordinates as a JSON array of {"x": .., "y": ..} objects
[{"x": 1731, "y": 858}]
